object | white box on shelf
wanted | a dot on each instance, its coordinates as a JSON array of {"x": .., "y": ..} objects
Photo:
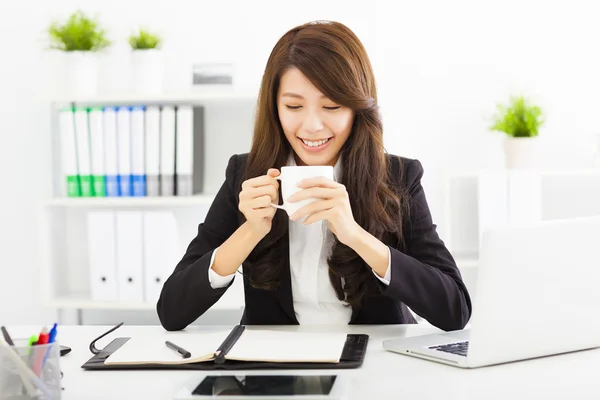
[
  {"x": 161, "y": 251},
  {"x": 130, "y": 272},
  {"x": 102, "y": 257}
]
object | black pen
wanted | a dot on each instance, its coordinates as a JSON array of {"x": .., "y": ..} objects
[
  {"x": 184, "y": 353},
  {"x": 7, "y": 337}
]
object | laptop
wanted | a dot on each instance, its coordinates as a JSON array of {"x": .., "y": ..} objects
[{"x": 538, "y": 294}]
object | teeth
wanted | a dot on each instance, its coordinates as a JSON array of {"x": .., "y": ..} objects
[{"x": 314, "y": 144}]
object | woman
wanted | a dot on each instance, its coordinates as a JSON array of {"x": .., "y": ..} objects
[{"x": 363, "y": 252}]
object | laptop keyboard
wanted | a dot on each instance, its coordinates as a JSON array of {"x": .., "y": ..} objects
[{"x": 458, "y": 348}]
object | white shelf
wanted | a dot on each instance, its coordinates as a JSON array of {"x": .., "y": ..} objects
[
  {"x": 87, "y": 304},
  {"x": 542, "y": 172},
  {"x": 170, "y": 201},
  {"x": 135, "y": 98},
  {"x": 466, "y": 263}
]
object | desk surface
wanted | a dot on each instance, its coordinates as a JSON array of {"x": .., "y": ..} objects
[{"x": 384, "y": 375}]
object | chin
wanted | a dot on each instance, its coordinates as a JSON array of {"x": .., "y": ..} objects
[{"x": 314, "y": 159}]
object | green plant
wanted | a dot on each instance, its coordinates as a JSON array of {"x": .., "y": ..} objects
[
  {"x": 519, "y": 119},
  {"x": 144, "y": 40},
  {"x": 78, "y": 33}
]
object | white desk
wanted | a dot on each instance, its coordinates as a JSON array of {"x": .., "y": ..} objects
[{"x": 384, "y": 375}]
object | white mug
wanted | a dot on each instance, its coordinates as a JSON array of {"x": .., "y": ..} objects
[{"x": 290, "y": 178}]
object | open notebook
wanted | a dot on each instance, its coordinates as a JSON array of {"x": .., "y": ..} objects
[{"x": 238, "y": 344}]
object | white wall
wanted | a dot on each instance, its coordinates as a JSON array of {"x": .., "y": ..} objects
[{"x": 441, "y": 67}]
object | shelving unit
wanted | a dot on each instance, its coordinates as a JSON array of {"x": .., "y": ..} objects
[
  {"x": 193, "y": 97},
  {"x": 133, "y": 202},
  {"x": 479, "y": 200},
  {"x": 65, "y": 267}
]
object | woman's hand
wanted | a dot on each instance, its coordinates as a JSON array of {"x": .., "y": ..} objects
[
  {"x": 255, "y": 201},
  {"x": 333, "y": 206}
]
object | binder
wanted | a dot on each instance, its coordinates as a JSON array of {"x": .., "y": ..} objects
[
  {"x": 129, "y": 256},
  {"x": 152, "y": 148},
  {"x": 351, "y": 350},
  {"x": 102, "y": 255},
  {"x": 161, "y": 251},
  {"x": 66, "y": 121},
  {"x": 124, "y": 150},
  {"x": 97, "y": 151},
  {"x": 184, "y": 159},
  {"x": 111, "y": 159},
  {"x": 167, "y": 151},
  {"x": 138, "y": 174},
  {"x": 189, "y": 152},
  {"x": 84, "y": 163}
]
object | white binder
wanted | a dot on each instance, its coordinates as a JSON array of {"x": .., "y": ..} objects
[
  {"x": 185, "y": 150},
  {"x": 111, "y": 155},
  {"x": 102, "y": 255},
  {"x": 161, "y": 251},
  {"x": 96, "y": 121},
  {"x": 68, "y": 150},
  {"x": 138, "y": 170},
  {"x": 167, "y": 151},
  {"x": 130, "y": 256},
  {"x": 152, "y": 150},
  {"x": 84, "y": 162},
  {"x": 124, "y": 150}
]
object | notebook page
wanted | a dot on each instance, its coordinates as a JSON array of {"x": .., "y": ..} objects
[
  {"x": 274, "y": 346},
  {"x": 151, "y": 349}
]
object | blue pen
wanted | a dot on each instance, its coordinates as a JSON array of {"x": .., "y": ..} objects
[
  {"x": 52, "y": 336},
  {"x": 51, "y": 339}
]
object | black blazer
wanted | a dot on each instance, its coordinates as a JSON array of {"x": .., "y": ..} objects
[{"x": 424, "y": 278}]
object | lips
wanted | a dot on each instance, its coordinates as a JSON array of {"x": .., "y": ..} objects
[{"x": 315, "y": 145}]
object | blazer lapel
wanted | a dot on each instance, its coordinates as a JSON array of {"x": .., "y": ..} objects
[{"x": 284, "y": 292}]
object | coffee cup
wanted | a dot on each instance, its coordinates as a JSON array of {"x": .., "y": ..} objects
[{"x": 291, "y": 176}]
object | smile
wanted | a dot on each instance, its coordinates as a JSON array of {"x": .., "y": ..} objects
[{"x": 317, "y": 143}]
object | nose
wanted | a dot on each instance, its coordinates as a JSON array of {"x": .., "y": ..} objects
[{"x": 312, "y": 123}]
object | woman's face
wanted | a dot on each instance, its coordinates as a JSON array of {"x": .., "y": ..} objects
[{"x": 315, "y": 126}]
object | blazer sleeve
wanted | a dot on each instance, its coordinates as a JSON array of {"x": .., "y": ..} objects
[
  {"x": 187, "y": 293},
  {"x": 425, "y": 277}
]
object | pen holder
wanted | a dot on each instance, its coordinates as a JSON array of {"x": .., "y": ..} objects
[{"x": 30, "y": 372}]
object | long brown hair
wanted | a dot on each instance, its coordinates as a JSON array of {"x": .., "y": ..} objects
[{"x": 331, "y": 56}]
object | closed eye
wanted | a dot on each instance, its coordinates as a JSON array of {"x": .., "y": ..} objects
[
  {"x": 293, "y": 107},
  {"x": 332, "y": 108}
]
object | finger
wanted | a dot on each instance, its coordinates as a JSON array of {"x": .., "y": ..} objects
[
  {"x": 267, "y": 212},
  {"x": 273, "y": 172},
  {"x": 318, "y": 216},
  {"x": 313, "y": 207},
  {"x": 259, "y": 181},
  {"x": 318, "y": 181},
  {"x": 315, "y": 193},
  {"x": 260, "y": 202},
  {"x": 267, "y": 190}
]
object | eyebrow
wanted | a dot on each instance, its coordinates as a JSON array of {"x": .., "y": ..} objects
[{"x": 297, "y": 96}]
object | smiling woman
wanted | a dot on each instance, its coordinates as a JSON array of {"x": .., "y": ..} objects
[{"x": 366, "y": 249}]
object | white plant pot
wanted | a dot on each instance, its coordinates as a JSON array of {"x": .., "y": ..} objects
[
  {"x": 147, "y": 71},
  {"x": 522, "y": 152},
  {"x": 81, "y": 68}
]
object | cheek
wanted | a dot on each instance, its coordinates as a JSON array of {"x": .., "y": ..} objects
[
  {"x": 341, "y": 125},
  {"x": 289, "y": 122}
]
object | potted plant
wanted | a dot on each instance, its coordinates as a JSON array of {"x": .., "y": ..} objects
[
  {"x": 147, "y": 62},
  {"x": 79, "y": 38},
  {"x": 520, "y": 121}
]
